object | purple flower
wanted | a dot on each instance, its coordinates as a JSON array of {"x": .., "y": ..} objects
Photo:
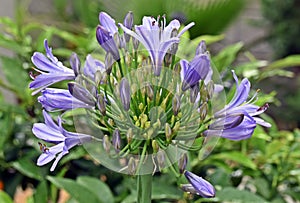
[
  {"x": 233, "y": 127},
  {"x": 60, "y": 99},
  {"x": 228, "y": 123},
  {"x": 52, "y": 70},
  {"x": 55, "y": 133},
  {"x": 91, "y": 66},
  {"x": 156, "y": 38},
  {"x": 125, "y": 93},
  {"x": 193, "y": 72},
  {"x": 105, "y": 34},
  {"x": 198, "y": 185}
]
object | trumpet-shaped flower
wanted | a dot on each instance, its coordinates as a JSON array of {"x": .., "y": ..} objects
[
  {"x": 156, "y": 38},
  {"x": 52, "y": 70},
  {"x": 55, "y": 133},
  {"x": 60, "y": 99},
  {"x": 228, "y": 123}
]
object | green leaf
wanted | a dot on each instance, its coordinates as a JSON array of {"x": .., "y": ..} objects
[
  {"x": 169, "y": 191},
  {"x": 11, "y": 68},
  {"x": 41, "y": 193},
  {"x": 5, "y": 198},
  {"x": 97, "y": 187},
  {"x": 230, "y": 194},
  {"x": 263, "y": 187},
  {"x": 227, "y": 56},
  {"x": 28, "y": 168},
  {"x": 289, "y": 61},
  {"x": 235, "y": 156},
  {"x": 76, "y": 190},
  {"x": 6, "y": 127}
]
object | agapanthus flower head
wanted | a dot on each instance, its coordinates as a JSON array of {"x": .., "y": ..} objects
[
  {"x": 198, "y": 185},
  {"x": 63, "y": 140},
  {"x": 156, "y": 37},
  {"x": 145, "y": 116},
  {"x": 52, "y": 70}
]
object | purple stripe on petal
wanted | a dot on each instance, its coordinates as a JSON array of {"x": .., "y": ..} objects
[
  {"x": 42, "y": 131},
  {"x": 108, "y": 22},
  {"x": 201, "y": 186}
]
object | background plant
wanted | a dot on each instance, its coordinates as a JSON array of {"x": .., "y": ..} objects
[{"x": 253, "y": 166}]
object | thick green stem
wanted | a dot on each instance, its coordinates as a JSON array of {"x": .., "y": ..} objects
[{"x": 144, "y": 188}]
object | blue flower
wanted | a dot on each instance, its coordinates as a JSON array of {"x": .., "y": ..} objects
[
  {"x": 228, "y": 122},
  {"x": 105, "y": 34},
  {"x": 56, "y": 134},
  {"x": 193, "y": 72},
  {"x": 52, "y": 70},
  {"x": 198, "y": 185},
  {"x": 60, "y": 99},
  {"x": 156, "y": 38},
  {"x": 91, "y": 66}
]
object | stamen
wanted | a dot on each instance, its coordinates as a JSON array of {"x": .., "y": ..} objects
[
  {"x": 254, "y": 97},
  {"x": 43, "y": 147}
]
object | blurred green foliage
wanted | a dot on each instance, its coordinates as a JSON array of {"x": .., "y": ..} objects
[
  {"x": 261, "y": 169},
  {"x": 283, "y": 17}
]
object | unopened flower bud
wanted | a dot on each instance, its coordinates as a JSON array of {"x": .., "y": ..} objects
[
  {"x": 129, "y": 135},
  {"x": 176, "y": 104},
  {"x": 75, "y": 63},
  {"x": 201, "y": 49},
  {"x": 210, "y": 89},
  {"x": 128, "y": 59},
  {"x": 194, "y": 93},
  {"x": 116, "y": 139},
  {"x": 168, "y": 59},
  {"x": 98, "y": 77},
  {"x": 168, "y": 132},
  {"x": 174, "y": 46},
  {"x": 135, "y": 43},
  {"x": 79, "y": 92},
  {"x": 203, "y": 110},
  {"x": 182, "y": 163},
  {"x": 101, "y": 104},
  {"x": 157, "y": 124},
  {"x": 177, "y": 68},
  {"x": 128, "y": 23},
  {"x": 120, "y": 41},
  {"x": 107, "y": 42},
  {"x": 109, "y": 61},
  {"x": 198, "y": 185},
  {"x": 176, "y": 126},
  {"x": 125, "y": 93},
  {"x": 141, "y": 106},
  {"x": 161, "y": 158},
  {"x": 106, "y": 143},
  {"x": 149, "y": 91},
  {"x": 155, "y": 146},
  {"x": 131, "y": 166}
]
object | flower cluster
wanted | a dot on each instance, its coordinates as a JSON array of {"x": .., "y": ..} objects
[{"x": 149, "y": 105}]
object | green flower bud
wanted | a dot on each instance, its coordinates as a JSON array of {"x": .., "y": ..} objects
[{"x": 155, "y": 146}]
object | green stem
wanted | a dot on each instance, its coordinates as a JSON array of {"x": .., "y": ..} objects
[{"x": 144, "y": 188}]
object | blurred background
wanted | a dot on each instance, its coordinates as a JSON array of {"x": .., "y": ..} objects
[{"x": 258, "y": 38}]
